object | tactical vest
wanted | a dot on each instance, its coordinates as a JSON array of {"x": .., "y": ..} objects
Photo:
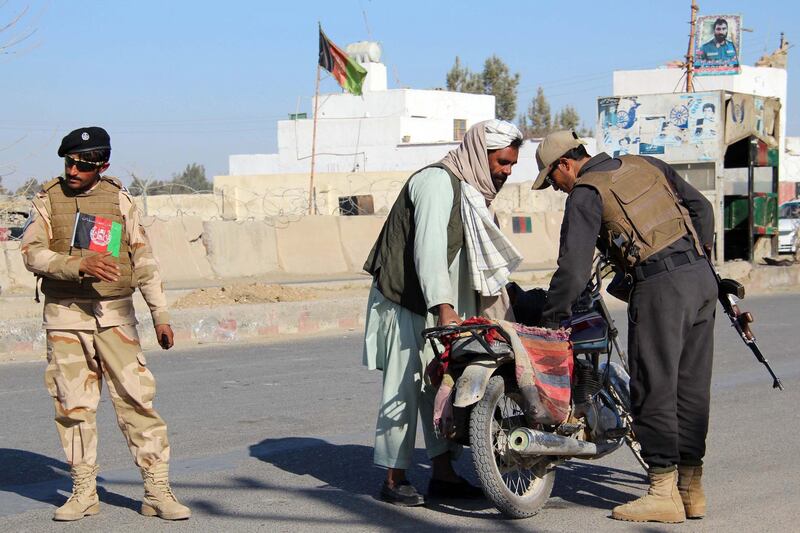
[
  {"x": 391, "y": 261},
  {"x": 65, "y": 203},
  {"x": 641, "y": 213}
]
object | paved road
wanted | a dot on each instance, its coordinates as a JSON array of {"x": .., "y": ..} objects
[{"x": 277, "y": 437}]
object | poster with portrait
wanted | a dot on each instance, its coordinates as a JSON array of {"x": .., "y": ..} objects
[
  {"x": 717, "y": 45},
  {"x": 675, "y": 127}
]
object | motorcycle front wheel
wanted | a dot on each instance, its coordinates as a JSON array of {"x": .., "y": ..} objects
[{"x": 518, "y": 486}]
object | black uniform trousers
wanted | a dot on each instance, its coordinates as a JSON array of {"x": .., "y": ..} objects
[{"x": 671, "y": 345}]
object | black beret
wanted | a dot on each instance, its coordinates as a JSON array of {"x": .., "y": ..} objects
[{"x": 84, "y": 140}]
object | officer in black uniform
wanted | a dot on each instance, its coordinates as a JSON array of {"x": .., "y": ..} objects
[{"x": 656, "y": 228}]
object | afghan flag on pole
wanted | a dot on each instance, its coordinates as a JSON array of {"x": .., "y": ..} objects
[
  {"x": 346, "y": 70},
  {"x": 96, "y": 233}
]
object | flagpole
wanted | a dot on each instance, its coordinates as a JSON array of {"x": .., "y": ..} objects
[{"x": 311, "y": 206}]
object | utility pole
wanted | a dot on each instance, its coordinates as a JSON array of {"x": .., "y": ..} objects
[{"x": 690, "y": 52}]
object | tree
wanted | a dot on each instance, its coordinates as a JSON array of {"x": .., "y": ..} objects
[
  {"x": 495, "y": 80},
  {"x": 461, "y": 80},
  {"x": 522, "y": 123},
  {"x": 141, "y": 186},
  {"x": 568, "y": 119},
  {"x": 28, "y": 189},
  {"x": 3, "y": 190},
  {"x": 541, "y": 123},
  {"x": 192, "y": 179}
]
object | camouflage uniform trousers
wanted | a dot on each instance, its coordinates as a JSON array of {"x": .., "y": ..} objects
[{"x": 77, "y": 361}]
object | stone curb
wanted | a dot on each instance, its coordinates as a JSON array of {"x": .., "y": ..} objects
[{"x": 24, "y": 340}]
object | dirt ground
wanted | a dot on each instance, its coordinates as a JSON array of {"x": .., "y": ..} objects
[{"x": 255, "y": 293}]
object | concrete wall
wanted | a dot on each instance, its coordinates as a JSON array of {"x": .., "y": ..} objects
[
  {"x": 286, "y": 195},
  {"x": 190, "y": 250},
  {"x": 178, "y": 248},
  {"x": 260, "y": 196},
  {"x": 540, "y": 247},
  {"x": 357, "y": 235},
  {"x": 240, "y": 249},
  {"x": 266, "y": 194},
  {"x": 13, "y": 273}
]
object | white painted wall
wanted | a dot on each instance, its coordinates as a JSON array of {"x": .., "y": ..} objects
[
  {"x": 387, "y": 158},
  {"x": 792, "y": 159},
  {"x": 382, "y": 130},
  {"x": 376, "y": 77}
]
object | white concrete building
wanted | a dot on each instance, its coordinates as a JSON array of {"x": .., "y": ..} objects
[
  {"x": 369, "y": 145},
  {"x": 382, "y": 130}
]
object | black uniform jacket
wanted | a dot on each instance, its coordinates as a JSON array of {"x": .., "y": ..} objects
[{"x": 581, "y": 227}]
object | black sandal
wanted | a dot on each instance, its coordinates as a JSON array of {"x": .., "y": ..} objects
[{"x": 403, "y": 494}]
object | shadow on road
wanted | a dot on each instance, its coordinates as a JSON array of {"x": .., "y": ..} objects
[
  {"x": 21, "y": 467},
  {"x": 593, "y": 485},
  {"x": 345, "y": 467},
  {"x": 44, "y": 479},
  {"x": 347, "y": 474}
]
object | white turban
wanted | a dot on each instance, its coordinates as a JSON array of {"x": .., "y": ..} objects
[
  {"x": 500, "y": 134},
  {"x": 469, "y": 162}
]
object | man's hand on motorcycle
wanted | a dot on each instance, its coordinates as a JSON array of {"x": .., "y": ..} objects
[
  {"x": 447, "y": 316},
  {"x": 100, "y": 266}
]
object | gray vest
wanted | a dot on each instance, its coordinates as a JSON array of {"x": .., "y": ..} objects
[{"x": 391, "y": 261}]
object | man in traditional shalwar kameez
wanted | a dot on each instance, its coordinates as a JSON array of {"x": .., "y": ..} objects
[{"x": 439, "y": 258}]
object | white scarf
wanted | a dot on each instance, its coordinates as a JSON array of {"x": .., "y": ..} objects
[{"x": 490, "y": 255}]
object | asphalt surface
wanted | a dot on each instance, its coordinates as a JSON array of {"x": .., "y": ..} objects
[{"x": 278, "y": 437}]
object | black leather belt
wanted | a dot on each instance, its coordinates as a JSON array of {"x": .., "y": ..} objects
[{"x": 671, "y": 262}]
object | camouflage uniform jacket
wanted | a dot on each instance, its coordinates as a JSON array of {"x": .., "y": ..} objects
[{"x": 89, "y": 313}]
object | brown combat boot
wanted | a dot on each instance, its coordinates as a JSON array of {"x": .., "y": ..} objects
[
  {"x": 84, "y": 500},
  {"x": 662, "y": 503},
  {"x": 691, "y": 490},
  {"x": 158, "y": 497}
]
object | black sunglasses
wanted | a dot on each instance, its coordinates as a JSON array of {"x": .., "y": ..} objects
[
  {"x": 549, "y": 178},
  {"x": 83, "y": 166}
]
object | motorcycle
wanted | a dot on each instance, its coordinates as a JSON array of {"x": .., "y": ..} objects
[{"x": 515, "y": 457}]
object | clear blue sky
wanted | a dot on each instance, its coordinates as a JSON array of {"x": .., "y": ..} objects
[{"x": 177, "y": 81}]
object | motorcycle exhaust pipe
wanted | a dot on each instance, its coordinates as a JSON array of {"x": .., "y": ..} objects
[{"x": 526, "y": 441}]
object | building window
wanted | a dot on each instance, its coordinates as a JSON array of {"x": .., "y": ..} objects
[
  {"x": 699, "y": 175},
  {"x": 459, "y": 128}
]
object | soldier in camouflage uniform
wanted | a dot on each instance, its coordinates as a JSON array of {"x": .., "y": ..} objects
[{"x": 91, "y": 325}]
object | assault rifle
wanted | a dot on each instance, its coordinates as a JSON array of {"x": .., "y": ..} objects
[{"x": 729, "y": 291}]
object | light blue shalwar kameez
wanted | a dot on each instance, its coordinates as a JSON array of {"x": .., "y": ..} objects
[{"x": 392, "y": 340}]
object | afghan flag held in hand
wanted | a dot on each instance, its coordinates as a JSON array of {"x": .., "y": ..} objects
[
  {"x": 97, "y": 233},
  {"x": 346, "y": 70}
]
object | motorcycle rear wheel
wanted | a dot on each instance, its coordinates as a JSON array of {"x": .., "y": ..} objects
[{"x": 518, "y": 487}]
